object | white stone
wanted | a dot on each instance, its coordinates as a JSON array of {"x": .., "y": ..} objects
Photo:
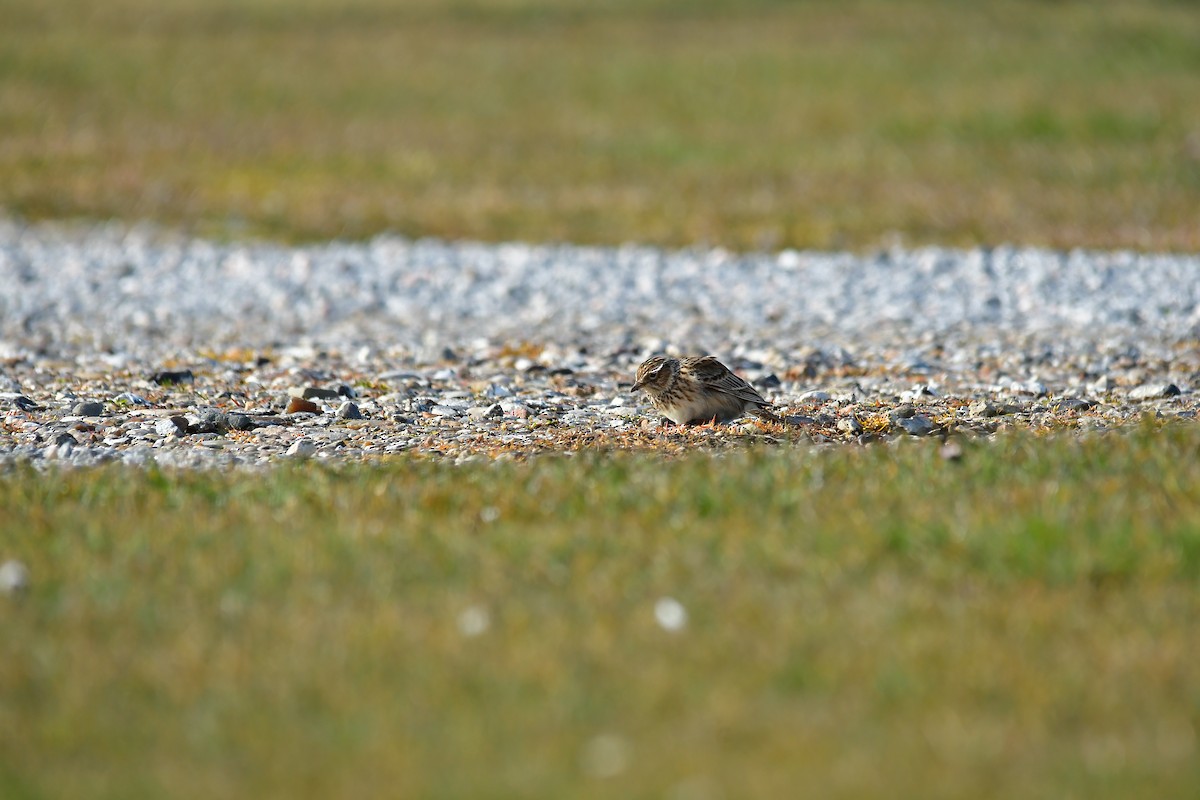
[
  {"x": 670, "y": 614},
  {"x": 14, "y": 577},
  {"x": 302, "y": 448}
]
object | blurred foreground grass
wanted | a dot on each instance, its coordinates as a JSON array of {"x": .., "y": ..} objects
[
  {"x": 746, "y": 123},
  {"x": 878, "y": 622}
]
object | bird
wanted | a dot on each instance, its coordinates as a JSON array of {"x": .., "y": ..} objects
[{"x": 699, "y": 389}]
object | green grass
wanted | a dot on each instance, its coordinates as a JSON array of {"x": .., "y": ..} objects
[
  {"x": 862, "y": 623},
  {"x": 746, "y": 123}
]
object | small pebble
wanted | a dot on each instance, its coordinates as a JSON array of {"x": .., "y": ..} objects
[
  {"x": 1073, "y": 404},
  {"x": 496, "y": 392},
  {"x": 173, "y": 377},
  {"x": 14, "y": 577},
  {"x": 919, "y": 425},
  {"x": 474, "y": 621},
  {"x": 169, "y": 426},
  {"x": 315, "y": 393},
  {"x": 985, "y": 409},
  {"x": 485, "y": 412},
  {"x": 298, "y": 405},
  {"x": 349, "y": 410},
  {"x": 64, "y": 445},
  {"x": 670, "y": 614},
  {"x": 239, "y": 421},
  {"x": 209, "y": 420},
  {"x": 88, "y": 408},
  {"x": 1154, "y": 391},
  {"x": 301, "y": 448},
  {"x": 850, "y": 425},
  {"x": 515, "y": 410}
]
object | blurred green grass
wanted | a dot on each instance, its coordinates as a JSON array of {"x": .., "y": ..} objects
[
  {"x": 861, "y": 623},
  {"x": 745, "y": 123}
]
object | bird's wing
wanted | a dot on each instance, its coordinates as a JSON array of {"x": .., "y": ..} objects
[{"x": 715, "y": 375}]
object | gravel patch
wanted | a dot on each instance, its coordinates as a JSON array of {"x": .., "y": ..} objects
[{"x": 129, "y": 344}]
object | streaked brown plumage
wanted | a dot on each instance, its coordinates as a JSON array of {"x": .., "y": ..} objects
[{"x": 691, "y": 391}]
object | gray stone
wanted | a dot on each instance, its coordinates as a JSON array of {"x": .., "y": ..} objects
[
  {"x": 64, "y": 445},
  {"x": 349, "y": 410},
  {"x": 1035, "y": 388},
  {"x": 239, "y": 421},
  {"x": 88, "y": 408},
  {"x": 1073, "y": 404},
  {"x": 985, "y": 409},
  {"x": 168, "y": 427},
  {"x": 497, "y": 392},
  {"x": 1154, "y": 391},
  {"x": 850, "y": 425},
  {"x": 485, "y": 412},
  {"x": 444, "y": 411},
  {"x": 815, "y": 396},
  {"x": 919, "y": 425},
  {"x": 316, "y": 393},
  {"x": 514, "y": 409},
  {"x": 209, "y": 420}
]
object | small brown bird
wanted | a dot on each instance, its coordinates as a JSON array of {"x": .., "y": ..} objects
[{"x": 692, "y": 391}]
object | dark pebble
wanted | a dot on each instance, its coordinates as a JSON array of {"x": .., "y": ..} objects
[
  {"x": 211, "y": 421},
  {"x": 1074, "y": 404},
  {"x": 88, "y": 408},
  {"x": 239, "y": 421},
  {"x": 920, "y": 425},
  {"x": 168, "y": 377},
  {"x": 315, "y": 393}
]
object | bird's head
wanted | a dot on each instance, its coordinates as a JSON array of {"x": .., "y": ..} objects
[{"x": 656, "y": 374}]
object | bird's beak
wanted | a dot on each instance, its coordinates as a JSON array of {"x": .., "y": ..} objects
[{"x": 636, "y": 387}]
